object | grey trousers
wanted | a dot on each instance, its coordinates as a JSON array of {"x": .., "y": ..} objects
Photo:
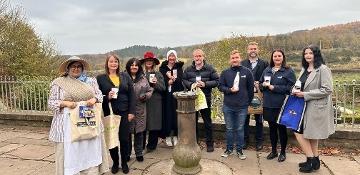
[{"x": 138, "y": 144}]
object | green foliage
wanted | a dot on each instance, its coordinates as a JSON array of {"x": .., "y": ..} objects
[{"x": 22, "y": 51}]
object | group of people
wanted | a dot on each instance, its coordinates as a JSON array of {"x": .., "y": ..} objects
[{"x": 143, "y": 96}]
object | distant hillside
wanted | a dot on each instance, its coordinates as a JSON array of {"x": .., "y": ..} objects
[
  {"x": 139, "y": 50},
  {"x": 339, "y": 43}
]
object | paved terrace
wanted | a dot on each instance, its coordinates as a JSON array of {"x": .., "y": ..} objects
[{"x": 26, "y": 150}]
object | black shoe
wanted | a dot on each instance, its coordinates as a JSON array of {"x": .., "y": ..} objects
[
  {"x": 308, "y": 167},
  {"x": 140, "y": 158},
  {"x": 246, "y": 145},
  {"x": 316, "y": 163},
  {"x": 115, "y": 169},
  {"x": 272, "y": 155},
  {"x": 125, "y": 168},
  {"x": 281, "y": 158},
  {"x": 301, "y": 164},
  {"x": 210, "y": 148},
  {"x": 259, "y": 147},
  {"x": 149, "y": 150}
]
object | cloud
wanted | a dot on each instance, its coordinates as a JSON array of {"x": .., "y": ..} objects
[{"x": 89, "y": 26}]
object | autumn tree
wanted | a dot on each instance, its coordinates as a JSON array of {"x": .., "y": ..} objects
[{"x": 22, "y": 51}]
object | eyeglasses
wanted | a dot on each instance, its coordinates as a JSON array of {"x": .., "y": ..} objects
[{"x": 75, "y": 67}]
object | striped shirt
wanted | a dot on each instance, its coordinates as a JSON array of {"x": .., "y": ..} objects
[{"x": 56, "y": 96}]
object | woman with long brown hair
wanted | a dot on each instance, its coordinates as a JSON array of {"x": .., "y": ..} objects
[{"x": 123, "y": 104}]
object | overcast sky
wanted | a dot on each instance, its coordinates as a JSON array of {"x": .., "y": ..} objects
[{"x": 99, "y": 26}]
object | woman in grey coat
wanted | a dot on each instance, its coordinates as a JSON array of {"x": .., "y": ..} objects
[
  {"x": 154, "y": 104},
  {"x": 318, "y": 123},
  {"x": 143, "y": 92}
]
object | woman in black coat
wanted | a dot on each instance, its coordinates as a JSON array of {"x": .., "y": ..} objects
[
  {"x": 154, "y": 106},
  {"x": 172, "y": 71},
  {"x": 123, "y": 104},
  {"x": 277, "y": 81}
]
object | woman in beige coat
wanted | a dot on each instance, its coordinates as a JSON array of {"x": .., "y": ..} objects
[{"x": 318, "y": 123}]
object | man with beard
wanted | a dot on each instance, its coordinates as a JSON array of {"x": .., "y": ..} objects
[{"x": 257, "y": 66}]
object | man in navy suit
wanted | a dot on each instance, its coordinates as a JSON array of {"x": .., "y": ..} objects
[{"x": 257, "y": 66}]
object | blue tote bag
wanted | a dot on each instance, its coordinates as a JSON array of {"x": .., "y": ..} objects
[{"x": 292, "y": 112}]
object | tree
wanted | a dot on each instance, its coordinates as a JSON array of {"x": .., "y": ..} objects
[{"x": 22, "y": 51}]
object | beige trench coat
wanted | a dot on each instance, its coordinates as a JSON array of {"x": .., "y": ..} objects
[{"x": 319, "y": 113}]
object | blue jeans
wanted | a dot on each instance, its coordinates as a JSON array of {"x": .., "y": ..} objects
[{"x": 234, "y": 121}]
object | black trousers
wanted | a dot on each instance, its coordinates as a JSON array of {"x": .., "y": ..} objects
[
  {"x": 152, "y": 139},
  {"x": 276, "y": 130},
  {"x": 206, "y": 116},
  {"x": 124, "y": 141},
  {"x": 274, "y": 135},
  {"x": 258, "y": 127}
]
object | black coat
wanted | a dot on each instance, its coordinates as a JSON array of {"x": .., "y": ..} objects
[
  {"x": 169, "y": 101},
  {"x": 177, "y": 85},
  {"x": 125, "y": 101},
  {"x": 258, "y": 69},
  {"x": 282, "y": 80},
  {"x": 243, "y": 97},
  {"x": 208, "y": 75}
]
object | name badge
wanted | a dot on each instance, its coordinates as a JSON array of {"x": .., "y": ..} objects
[
  {"x": 243, "y": 76},
  {"x": 279, "y": 77}
]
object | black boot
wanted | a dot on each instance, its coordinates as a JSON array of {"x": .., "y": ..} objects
[
  {"x": 114, "y": 153},
  {"x": 316, "y": 163},
  {"x": 125, "y": 168},
  {"x": 115, "y": 168},
  {"x": 301, "y": 164},
  {"x": 308, "y": 167}
]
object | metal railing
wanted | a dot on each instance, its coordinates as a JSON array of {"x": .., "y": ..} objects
[
  {"x": 28, "y": 94},
  {"x": 346, "y": 99},
  {"x": 25, "y": 94}
]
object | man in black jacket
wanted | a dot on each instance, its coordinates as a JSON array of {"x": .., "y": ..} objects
[
  {"x": 257, "y": 66},
  {"x": 206, "y": 78}
]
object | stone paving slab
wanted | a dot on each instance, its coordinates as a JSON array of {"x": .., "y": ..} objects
[
  {"x": 6, "y": 135},
  {"x": 29, "y": 141},
  {"x": 36, "y": 152},
  {"x": 357, "y": 159},
  {"x": 10, "y": 147},
  {"x": 247, "y": 166},
  {"x": 341, "y": 165},
  {"x": 27, "y": 151},
  {"x": 51, "y": 158},
  {"x": 45, "y": 170},
  {"x": 35, "y": 136},
  {"x": 19, "y": 167},
  {"x": 289, "y": 166}
]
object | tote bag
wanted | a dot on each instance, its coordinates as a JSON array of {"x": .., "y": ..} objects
[
  {"x": 200, "y": 101},
  {"x": 85, "y": 121},
  {"x": 292, "y": 112},
  {"x": 111, "y": 129},
  {"x": 256, "y": 105}
]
